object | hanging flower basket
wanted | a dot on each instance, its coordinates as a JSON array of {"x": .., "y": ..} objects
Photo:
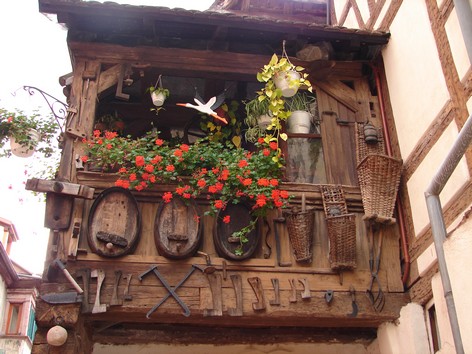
[
  {"x": 158, "y": 98},
  {"x": 22, "y": 149},
  {"x": 288, "y": 82}
]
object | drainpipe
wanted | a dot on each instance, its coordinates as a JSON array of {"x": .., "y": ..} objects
[
  {"x": 438, "y": 226},
  {"x": 399, "y": 206},
  {"x": 464, "y": 14}
]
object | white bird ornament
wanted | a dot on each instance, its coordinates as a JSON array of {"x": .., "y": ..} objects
[{"x": 205, "y": 108}]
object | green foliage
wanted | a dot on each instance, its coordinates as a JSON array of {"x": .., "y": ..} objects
[
  {"x": 158, "y": 90},
  {"x": 230, "y": 132},
  {"x": 18, "y": 125},
  {"x": 301, "y": 101}
]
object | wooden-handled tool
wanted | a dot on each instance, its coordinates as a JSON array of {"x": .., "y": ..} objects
[
  {"x": 126, "y": 294},
  {"x": 58, "y": 264},
  {"x": 306, "y": 293},
  {"x": 276, "y": 285},
  {"x": 100, "y": 275},
  {"x": 256, "y": 285},
  {"x": 238, "y": 291},
  {"x": 85, "y": 274},
  {"x": 293, "y": 296},
  {"x": 216, "y": 292},
  {"x": 115, "y": 301}
]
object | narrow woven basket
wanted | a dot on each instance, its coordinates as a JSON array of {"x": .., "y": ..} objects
[
  {"x": 342, "y": 241},
  {"x": 379, "y": 179},
  {"x": 300, "y": 233},
  {"x": 341, "y": 228}
]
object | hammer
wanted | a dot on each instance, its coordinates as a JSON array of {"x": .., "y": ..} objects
[{"x": 58, "y": 264}]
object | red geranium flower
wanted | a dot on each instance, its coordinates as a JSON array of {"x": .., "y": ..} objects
[
  {"x": 227, "y": 219},
  {"x": 247, "y": 182},
  {"x": 263, "y": 182},
  {"x": 170, "y": 168},
  {"x": 167, "y": 197},
  {"x": 159, "y": 142},
  {"x": 219, "y": 204},
  {"x": 242, "y": 163},
  {"x": 139, "y": 161}
]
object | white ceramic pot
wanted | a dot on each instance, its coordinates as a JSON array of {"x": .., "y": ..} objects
[
  {"x": 299, "y": 122},
  {"x": 288, "y": 82},
  {"x": 264, "y": 120},
  {"x": 23, "y": 151},
  {"x": 158, "y": 98}
]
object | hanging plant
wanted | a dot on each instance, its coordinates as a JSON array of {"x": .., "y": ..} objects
[
  {"x": 158, "y": 93},
  {"x": 274, "y": 70},
  {"x": 26, "y": 134}
]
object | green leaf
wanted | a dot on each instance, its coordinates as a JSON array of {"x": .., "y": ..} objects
[{"x": 283, "y": 136}]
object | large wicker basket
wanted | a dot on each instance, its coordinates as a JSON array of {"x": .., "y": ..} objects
[
  {"x": 341, "y": 228},
  {"x": 379, "y": 179},
  {"x": 300, "y": 233}
]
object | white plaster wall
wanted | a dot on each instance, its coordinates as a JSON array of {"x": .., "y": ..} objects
[
  {"x": 416, "y": 83},
  {"x": 456, "y": 41},
  {"x": 407, "y": 335},
  {"x": 420, "y": 180},
  {"x": 458, "y": 251},
  {"x": 285, "y": 348}
]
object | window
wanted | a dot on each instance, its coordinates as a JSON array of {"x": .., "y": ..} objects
[
  {"x": 432, "y": 327},
  {"x": 14, "y": 318},
  {"x": 304, "y": 157}
]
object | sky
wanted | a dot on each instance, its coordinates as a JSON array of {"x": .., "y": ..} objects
[{"x": 34, "y": 53}]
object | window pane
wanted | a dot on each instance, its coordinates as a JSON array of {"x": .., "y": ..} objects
[
  {"x": 305, "y": 163},
  {"x": 14, "y": 319}
]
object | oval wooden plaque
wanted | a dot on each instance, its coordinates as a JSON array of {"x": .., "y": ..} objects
[
  {"x": 177, "y": 229},
  {"x": 225, "y": 244},
  {"x": 114, "y": 223}
]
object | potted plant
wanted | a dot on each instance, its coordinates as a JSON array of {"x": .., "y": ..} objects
[
  {"x": 301, "y": 117},
  {"x": 220, "y": 173},
  {"x": 26, "y": 133},
  {"x": 158, "y": 95},
  {"x": 257, "y": 119}
]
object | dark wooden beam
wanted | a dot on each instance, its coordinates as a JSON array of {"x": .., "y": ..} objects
[{"x": 187, "y": 335}]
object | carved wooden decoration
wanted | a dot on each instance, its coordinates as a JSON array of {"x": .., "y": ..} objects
[
  {"x": 114, "y": 223},
  {"x": 177, "y": 229},
  {"x": 225, "y": 243}
]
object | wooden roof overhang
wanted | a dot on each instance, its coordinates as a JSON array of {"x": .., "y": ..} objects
[
  {"x": 220, "y": 31},
  {"x": 216, "y": 46}
]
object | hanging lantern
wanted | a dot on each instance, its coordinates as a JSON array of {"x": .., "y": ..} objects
[{"x": 370, "y": 133}]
